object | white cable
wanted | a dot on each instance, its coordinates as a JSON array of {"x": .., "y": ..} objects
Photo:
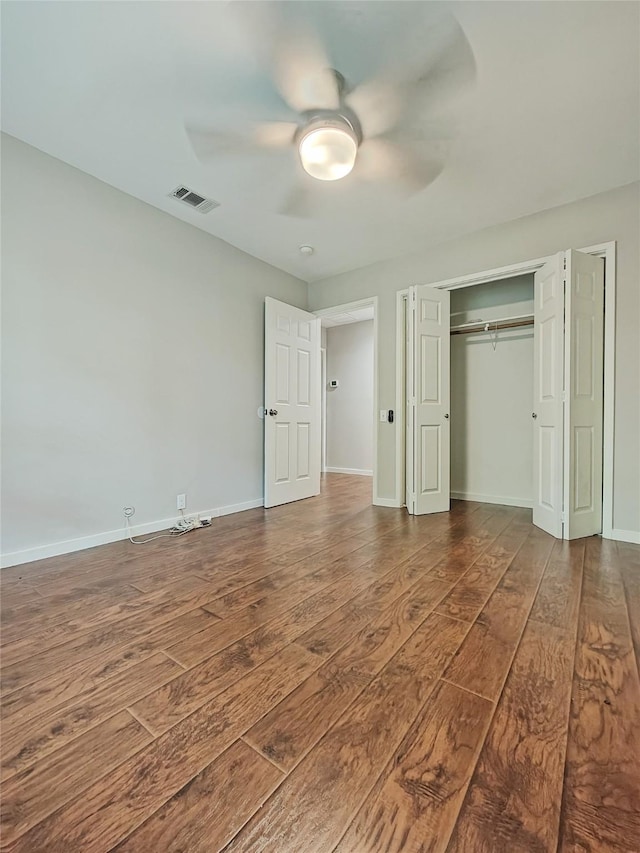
[{"x": 152, "y": 538}]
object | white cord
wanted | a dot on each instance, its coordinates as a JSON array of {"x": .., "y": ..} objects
[{"x": 152, "y": 538}]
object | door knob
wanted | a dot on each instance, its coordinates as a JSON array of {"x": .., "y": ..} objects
[
  {"x": 447, "y": 417},
  {"x": 533, "y": 415},
  {"x": 273, "y": 412}
]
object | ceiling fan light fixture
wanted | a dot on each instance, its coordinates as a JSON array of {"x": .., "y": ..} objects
[{"x": 328, "y": 149}]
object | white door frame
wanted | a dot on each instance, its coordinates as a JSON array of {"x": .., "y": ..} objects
[
  {"x": 601, "y": 250},
  {"x": 345, "y": 309},
  {"x": 323, "y": 409}
]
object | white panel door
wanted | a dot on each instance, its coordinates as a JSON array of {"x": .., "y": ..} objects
[
  {"x": 431, "y": 399},
  {"x": 583, "y": 382},
  {"x": 548, "y": 386},
  {"x": 292, "y": 404}
]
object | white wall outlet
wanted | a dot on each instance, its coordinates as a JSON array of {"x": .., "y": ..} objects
[
  {"x": 384, "y": 416},
  {"x": 181, "y": 501}
]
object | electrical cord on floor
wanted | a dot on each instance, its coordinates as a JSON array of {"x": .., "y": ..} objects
[{"x": 171, "y": 535}]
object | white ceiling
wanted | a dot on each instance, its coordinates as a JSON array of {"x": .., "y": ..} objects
[{"x": 108, "y": 86}]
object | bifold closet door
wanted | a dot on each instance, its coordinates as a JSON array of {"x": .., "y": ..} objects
[
  {"x": 568, "y": 395},
  {"x": 584, "y": 385},
  {"x": 548, "y": 392},
  {"x": 428, "y": 374}
]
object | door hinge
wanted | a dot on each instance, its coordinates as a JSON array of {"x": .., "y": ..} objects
[
  {"x": 564, "y": 396},
  {"x": 563, "y": 517}
]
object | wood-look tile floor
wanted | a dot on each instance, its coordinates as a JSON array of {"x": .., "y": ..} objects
[{"x": 326, "y": 676}]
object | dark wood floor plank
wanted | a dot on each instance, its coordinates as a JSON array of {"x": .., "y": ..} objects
[
  {"x": 314, "y": 805},
  {"x": 601, "y": 802},
  {"x": 14, "y": 597},
  {"x": 91, "y": 643},
  {"x": 408, "y": 565},
  {"x": 471, "y": 592},
  {"x": 54, "y": 688},
  {"x": 558, "y": 600},
  {"x": 234, "y": 602},
  {"x": 345, "y": 623},
  {"x": 629, "y": 563},
  {"x": 184, "y": 694},
  {"x": 204, "y": 815},
  {"x": 415, "y": 804},
  {"x": 198, "y": 648},
  {"x": 26, "y": 741},
  {"x": 40, "y": 611},
  {"x": 482, "y": 663},
  {"x": 514, "y": 799},
  {"x": 159, "y": 606},
  {"x": 106, "y": 813},
  {"x": 38, "y": 791},
  {"x": 299, "y": 721}
]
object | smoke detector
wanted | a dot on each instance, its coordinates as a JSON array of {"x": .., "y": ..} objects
[
  {"x": 306, "y": 250},
  {"x": 194, "y": 200}
]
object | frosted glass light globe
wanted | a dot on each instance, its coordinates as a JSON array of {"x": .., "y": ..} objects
[{"x": 328, "y": 153}]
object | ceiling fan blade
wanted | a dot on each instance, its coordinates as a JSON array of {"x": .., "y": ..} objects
[
  {"x": 209, "y": 144},
  {"x": 378, "y": 105},
  {"x": 274, "y": 134},
  {"x": 286, "y": 43},
  {"x": 401, "y": 96},
  {"x": 448, "y": 74},
  {"x": 303, "y": 78},
  {"x": 400, "y": 164}
]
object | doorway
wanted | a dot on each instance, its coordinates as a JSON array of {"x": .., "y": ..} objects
[
  {"x": 602, "y": 436},
  {"x": 349, "y": 389}
]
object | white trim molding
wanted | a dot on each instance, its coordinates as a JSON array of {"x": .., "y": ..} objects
[
  {"x": 69, "y": 546},
  {"x": 491, "y": 499},
  {"x": 632, "y": 536},
  {"x": 363, "y": 472},
  {"x": 401, "y": 414}
]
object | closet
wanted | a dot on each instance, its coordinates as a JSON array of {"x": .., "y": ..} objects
[
  {"x": 504, "y": 399},
  {"x": 491, "y": 383}
]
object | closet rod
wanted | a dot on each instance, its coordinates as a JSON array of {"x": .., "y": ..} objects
[{"x": 493, "y": 326}]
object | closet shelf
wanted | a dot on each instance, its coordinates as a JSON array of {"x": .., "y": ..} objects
[{"x": 493, "y": 325}]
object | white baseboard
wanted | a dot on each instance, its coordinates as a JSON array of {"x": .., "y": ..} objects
[
  {"x": 492, "y": 499},
  {"x": 55, "y": 549},
  {"x": 361, "y": 471},
  {"x": 632, "y": 536}
]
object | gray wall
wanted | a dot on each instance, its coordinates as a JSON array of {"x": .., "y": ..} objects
[
  {"x": 491, "y": 391},
  {"x": 350, "y": 405},
  {"x": 613, "y": 215},
  {"x": 132, "y": 357}
]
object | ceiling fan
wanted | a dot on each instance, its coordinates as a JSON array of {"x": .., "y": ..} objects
[{"x": 343, "y": 106}]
